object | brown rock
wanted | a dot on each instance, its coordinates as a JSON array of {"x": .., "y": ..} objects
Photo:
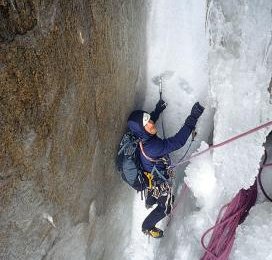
[{"x": 69, "y": 75}]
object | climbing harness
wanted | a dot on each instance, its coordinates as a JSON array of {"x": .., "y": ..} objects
[
  {"x": 159, "y": 186},
  {"x": 164, "y": 189},
  {"x": 155, "y": 171}
]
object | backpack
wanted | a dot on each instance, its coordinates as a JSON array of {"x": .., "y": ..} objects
[{"x": 128, "y": 162}]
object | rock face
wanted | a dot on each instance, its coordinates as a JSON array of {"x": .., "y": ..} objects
[{"x": 70, "y": 73}]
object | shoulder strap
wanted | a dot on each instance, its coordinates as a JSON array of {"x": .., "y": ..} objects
[{"x": 145, "y": 155}]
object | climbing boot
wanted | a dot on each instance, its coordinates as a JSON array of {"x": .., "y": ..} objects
[{"x": 154, "y": 232}]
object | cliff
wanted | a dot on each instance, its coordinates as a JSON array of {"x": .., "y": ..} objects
[{"x": 70, "y": 73}]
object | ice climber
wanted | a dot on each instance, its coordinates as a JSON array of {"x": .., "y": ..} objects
[{"x": 154, "y": 157}]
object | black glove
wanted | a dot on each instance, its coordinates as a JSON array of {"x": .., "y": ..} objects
[
  {"x": 197, "y": 110},
  {"x": 191, "y": 122},
  {"x": 161, "y": 105}
]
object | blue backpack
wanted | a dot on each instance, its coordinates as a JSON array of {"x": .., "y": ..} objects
[{"x": 128, "y": 162}]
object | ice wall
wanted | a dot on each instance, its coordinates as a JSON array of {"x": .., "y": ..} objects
[{"x": 220, "y": 53}]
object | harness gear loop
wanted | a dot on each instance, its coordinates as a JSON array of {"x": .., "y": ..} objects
[
  {"x": 172, "y": 174},
  {"x": 156, "y": 192}
]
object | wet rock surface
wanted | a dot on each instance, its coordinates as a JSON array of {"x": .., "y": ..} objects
[
  {"x": 16, "y": 18},
  {"x": 70, "y": 72}
]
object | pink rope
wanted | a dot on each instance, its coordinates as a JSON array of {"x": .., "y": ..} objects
[
  {"x": 223, "y": 143},
  {"x": 186, "y": 188},
  {"x": 223, "y": 235},
  {"x": 235, "y": 212},
  {"x": 267, "y": 165}
]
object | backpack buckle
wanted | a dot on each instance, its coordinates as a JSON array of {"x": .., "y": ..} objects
[{"x": 150, "y": 178}]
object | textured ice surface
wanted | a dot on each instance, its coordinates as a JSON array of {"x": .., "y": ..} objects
[{"x": 221, "y": 56}]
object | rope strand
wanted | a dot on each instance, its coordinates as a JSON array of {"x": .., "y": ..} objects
[{"x": 212, "y": 147}]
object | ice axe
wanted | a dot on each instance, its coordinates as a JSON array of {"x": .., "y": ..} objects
[{"x": 158, "y": 80}]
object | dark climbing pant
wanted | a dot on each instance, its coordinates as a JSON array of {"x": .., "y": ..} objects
[{"x": 163, "y": 209}]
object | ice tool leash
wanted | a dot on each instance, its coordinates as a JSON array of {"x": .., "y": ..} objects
[{"x": 160, "y": 90}]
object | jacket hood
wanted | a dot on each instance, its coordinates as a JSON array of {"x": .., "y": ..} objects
[{"x": 135, "y": 124}]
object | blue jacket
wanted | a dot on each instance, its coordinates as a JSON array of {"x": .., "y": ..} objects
[{"x": 154, "y": 146}]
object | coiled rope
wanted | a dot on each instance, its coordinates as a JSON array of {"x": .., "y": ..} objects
[
  {"x": 230, "y": 216},
  {"x": 181, "y": 161},
  {"x": 235, "y": 212}
]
